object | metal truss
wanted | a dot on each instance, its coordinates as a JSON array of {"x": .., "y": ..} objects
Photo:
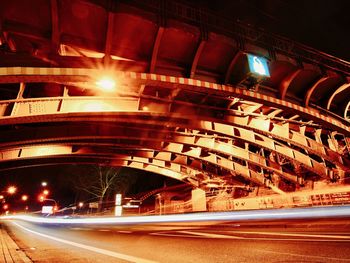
[{"x": 199, "y": 131}]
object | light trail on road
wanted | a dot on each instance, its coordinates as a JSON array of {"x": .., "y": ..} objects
[
  {"x": 90, "y": 248},
  {"x": 287, "y": 241},
  {"x": 273, "y": 214}
]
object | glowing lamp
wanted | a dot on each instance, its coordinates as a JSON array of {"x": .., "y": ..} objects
[
  {"x": 11, "y": 190},
  {"x": 41, "y": 198},
  {"x": 106, "y": 84}
]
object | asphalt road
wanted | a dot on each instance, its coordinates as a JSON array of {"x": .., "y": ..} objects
[{"x": 231, "y": 242}]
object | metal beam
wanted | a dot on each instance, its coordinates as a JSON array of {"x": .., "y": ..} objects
[
  {"x": 186, "y": 145},
  {"x": 156, "y": 49},
  {"x": 108, "y": 39},
  {"x": 311, "y": 90},
  {"x": 285, "y": 83},
  {"x": 231, "y": 66},
  {"x": 247, "y": 122},
  {"x": 347, "y": 112},
  {"x": 65, "y": 75},
  {"x": 196, "y": 57},
  {"x": 335, "y": 93},
  {"x": 55, "y": 28},
  {"x": 238, "y": 169}
]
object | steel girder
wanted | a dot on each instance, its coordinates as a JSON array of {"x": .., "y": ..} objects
[
  {"x": 182, "y": 140},
  {"x": 234, "y": 146},
  {"x": 236, "y": 124},
  {"x": 86, "y": 77},
  {"x": 272, "y": 140},
  {"x": 109, "y": 160}
]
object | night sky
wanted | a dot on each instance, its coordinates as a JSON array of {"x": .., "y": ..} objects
[
  {"x": 60, "y": 179},
  {"x": 321, "y": 24}
]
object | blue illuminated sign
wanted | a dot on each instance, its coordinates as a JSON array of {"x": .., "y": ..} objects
[{"x": 258, "y": 65}]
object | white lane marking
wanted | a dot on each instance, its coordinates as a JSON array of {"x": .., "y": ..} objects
[
  {"x": 291, "y": 234},
  {"x": 94, "y": 249},
  {"x": 209, "y": 235},
  {"x": 253, "y": 238},
  {"x": 294, "y": 239},
  {"x": 104, "y": 230},
  {"x": 174, "y": 235},
  {"x": 125, "y": 231},
  {"x": 303, "y": 255},
  {"x": 80, "y": 228}
]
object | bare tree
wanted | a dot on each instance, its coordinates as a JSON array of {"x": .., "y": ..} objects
[
  {"x": 101, "y": 181},
  {"x": 98, "y": 182}
]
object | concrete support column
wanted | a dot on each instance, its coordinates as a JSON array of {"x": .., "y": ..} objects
[{"x": 199, "y": 201}]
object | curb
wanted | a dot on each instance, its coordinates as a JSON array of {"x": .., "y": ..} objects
[{"x": 9, "y": 249}]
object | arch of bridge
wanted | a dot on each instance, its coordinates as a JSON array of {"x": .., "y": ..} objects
[{"x": 243, "y": 137}]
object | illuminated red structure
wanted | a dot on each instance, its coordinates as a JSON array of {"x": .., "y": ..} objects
[{"x": 183, "y": 103}]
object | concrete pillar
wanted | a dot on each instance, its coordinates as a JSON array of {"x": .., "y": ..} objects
[{"x": 199, "y": 201}]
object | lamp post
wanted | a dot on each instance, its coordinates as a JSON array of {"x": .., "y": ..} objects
[
  {"x": 24, "y": 198},
  {"x": 42, "y": 198}
]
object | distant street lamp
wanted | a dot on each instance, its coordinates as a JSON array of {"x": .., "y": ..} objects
[
  {"x": 81, "y": 204},
  {"x": 43, "y": 184},
  {"x": 11, "y": 190},
  {"x": 24, "y": 197},
  {"x": 43, "y": 198},
  {"x": 46, "y": 192}
]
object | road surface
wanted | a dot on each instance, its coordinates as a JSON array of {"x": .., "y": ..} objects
[{"x": 300, "y": 241}]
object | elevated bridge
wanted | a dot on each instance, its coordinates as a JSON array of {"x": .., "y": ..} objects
[{"x": 184, "y": 104}]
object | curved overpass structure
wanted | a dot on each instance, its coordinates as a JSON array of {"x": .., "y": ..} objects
[{"x": 184, "y": 106}]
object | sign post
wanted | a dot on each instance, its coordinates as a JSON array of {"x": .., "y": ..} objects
[
  {"x": 258, "y": 66},
  {"x": 118, "y": 205}
]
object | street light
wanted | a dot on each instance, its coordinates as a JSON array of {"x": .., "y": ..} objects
[
  {"x": 106, "y": 84},
  {"x": 43, "y": 198},
  {"x": 43, "y": 184},
  {"x": 46, "y": 192},
  {"x": 24, "y": 197},
  {"x": 81, "y": 204},
  {"x": 11, "y": 190}
]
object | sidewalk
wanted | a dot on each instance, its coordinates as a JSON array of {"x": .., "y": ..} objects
[{"x": 9, "y": 251}]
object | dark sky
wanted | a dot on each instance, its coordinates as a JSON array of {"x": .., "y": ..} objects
[
  {"x": 60, "y": 181},
  {"x": 321, "y": 24}
]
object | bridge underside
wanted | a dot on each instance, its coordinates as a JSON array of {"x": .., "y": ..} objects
[
  {"x": 183, "y": 107},
  {"x": 206, "y": 134}
]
